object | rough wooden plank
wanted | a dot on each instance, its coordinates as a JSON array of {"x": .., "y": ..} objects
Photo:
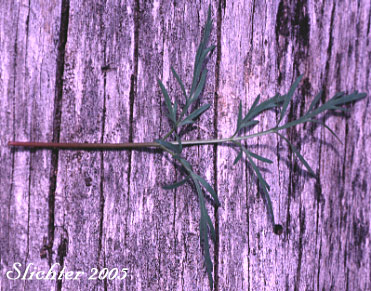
[
  {"x": 77, "y": 241},
  {"x": 295, "y": 51},
  {"x": 29, "y": 30},
  {"x": 181, "y": 46},
  {"x": 117, "y": 249},
  {"x": 108, "y": 209},
  {"x": 343, "y": 225},
  {"x": 251, "y": 59},
  {"x": 172, "y": 257},
  {"x": 12, "y": 230}
]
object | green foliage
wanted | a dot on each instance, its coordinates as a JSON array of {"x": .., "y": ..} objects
[
  {"x": 245, "y": 122},
  {"x": 198, "y": 84}
]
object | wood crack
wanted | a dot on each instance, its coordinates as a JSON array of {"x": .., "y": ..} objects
[
  {"x": 300, "y": 251},
  {"x": 62, "y": 253},
  {"x": 329, "y": 51},
  {"x": 318, "y": 188},
  {"x": 133, "y": 85},
  {"x": 319, "y": 265},
  {"x": 14, "y": 67},
  {"x": 101, "y": 183},
  {"x": 31, "y": 153},
  {"x": 63, "y": 32}
]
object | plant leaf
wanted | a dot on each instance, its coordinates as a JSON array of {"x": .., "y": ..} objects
[
  {"x": 323, "y": 124},
  {"x": 239, "y": 156},
  {"x": 201, "y": 55},
  {"x": 355, "y": 96},
  {"x": 195, "y": 95},
  {"x": 267, "y": 104},
  {"x": 295, "y": 122},
  {"x": 199, "y": 66},
  {"x": 184, "y": 162},
  {"x": 175, "y": 108},
  {"x": 184, "y": 122},
  {"x": 179, "y": 82},
  {"x": 195, "y": 114},
  {"x": 167, "y": 101},
  {"x": 239, "y": 118},
  {"x": 288, "y": 98},
  {"x": 264, "y": 185},
  {"x": 176, "y": 184},
  {"x": 208, "y": 188},
  {"x": 251, "y": 111},
  {"x": 206, "y": 35},
  {"x": 315, "y": 101},
  {"x": 200, "y": 86},
  {"x": 256, "y": 169},
  {"x": 205, "y": 221},
  {"x": 249, "y": 123},
  {"x": 301, "y": 158},
  {"x": 172, "y": 147},
  {"x": 260, "y": 158}
]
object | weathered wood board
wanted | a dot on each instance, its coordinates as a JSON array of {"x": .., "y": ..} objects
[{"x": 87, "y": 71}]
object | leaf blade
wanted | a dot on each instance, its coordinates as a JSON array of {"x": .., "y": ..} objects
[
  {"x": 264, "y": 185},
  {"x": 195, "y": 114},
  {"x": 176, "y": 184},
  {"x": 301, "y": 158},
  {"x": 288, "y": 97},
  {"x": 182, "y": 87},
  {"x": 255, "y": 167},
  {"x": 209, "y": 189},
  {"x": 167, "y": 101},
  {"x": 238, "y": 157},
  {"x": 172, "y": 147},
  {"x": 260, "y": 158}
]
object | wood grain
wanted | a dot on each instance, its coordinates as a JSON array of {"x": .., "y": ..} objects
[{"x": 87, "y": 71}]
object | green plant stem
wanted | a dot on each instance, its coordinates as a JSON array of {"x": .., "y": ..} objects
[
  {"x": 168, "y": 134},
  {"x": 128, "y": 145}
]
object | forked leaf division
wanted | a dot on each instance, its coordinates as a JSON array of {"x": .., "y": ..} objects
[{"x": 280, "y": 103}]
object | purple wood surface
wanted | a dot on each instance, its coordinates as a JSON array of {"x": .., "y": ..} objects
[{"x": 86, "y": 71}]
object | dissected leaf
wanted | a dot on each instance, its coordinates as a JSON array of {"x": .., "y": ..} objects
[
  {"x": 315, "y": 101},
  {"x": 301, "y": 158},
  {"x": 208, "y": 188},
  {"x": 251, "y": 111},
  {"x": 264, "y": 185},
  {"x": 167, "y": 101},
  {"x": 179, "y": 82},
  {"x": 239, "y": 157},
  {"x": 195, "y": 114},
  {"x": 239, "y": 117},
  {"x": 172, "y": 147},
  {"x": 260, "y": 158},
  {"x": 256, "y": 169},
  {"x": 329, "y": 129},
  {"x": 176, "y": 184},
  {"x": 184, "y": 162},
  {"x": 248, "y": 123},
  {"x": 288, "y": 97},
  {"x": 205, "y": 224},
  {"x": 278, "y": 101},
  {"x": 272, "y": 102}
]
